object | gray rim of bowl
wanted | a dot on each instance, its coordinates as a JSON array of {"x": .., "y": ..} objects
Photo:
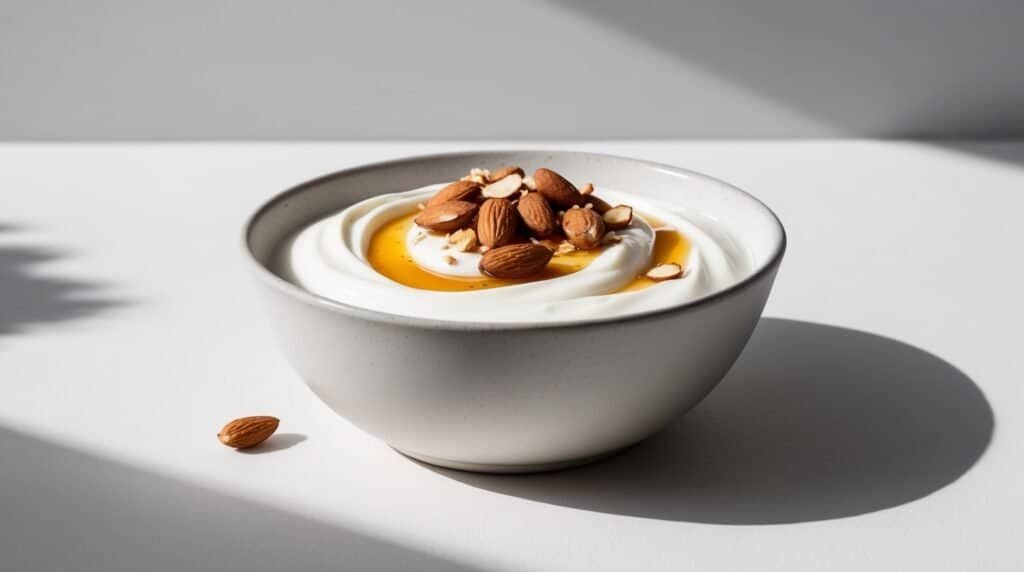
[{"x": 429, "y": 323}]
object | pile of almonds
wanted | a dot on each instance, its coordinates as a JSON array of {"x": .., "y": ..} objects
[{"x": 520, "y": 222}]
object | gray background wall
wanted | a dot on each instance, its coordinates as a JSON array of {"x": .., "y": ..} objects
[{"x": 258, "y": 69}]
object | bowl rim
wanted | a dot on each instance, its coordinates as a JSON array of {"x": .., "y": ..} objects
[{"x": 303, "y": 295}]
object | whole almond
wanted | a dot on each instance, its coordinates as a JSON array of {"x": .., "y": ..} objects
[
  {"x": 457, "y": 191},
  {"x": 503, "y": 188},
  {"x": 583, "y": 228},
  {"x": 617, "y": 218},
  {"x": 537, "y": 215},
  {"x": 448, "y": 216},
  {"x": 248, "y": 431},
  {"x": 556, "y": 189},
  {"x": 515, "y": 260},
  {"x": 496, "y": 225},
  {"x": 504, "y": 172}
]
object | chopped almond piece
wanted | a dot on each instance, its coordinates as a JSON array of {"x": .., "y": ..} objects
[{"x": 665, "y": 272}]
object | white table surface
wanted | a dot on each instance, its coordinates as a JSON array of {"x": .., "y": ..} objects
[{"x": 875, "y": 422}]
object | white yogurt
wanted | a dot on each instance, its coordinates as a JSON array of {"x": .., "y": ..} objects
[{"x": 329, "y": 258}]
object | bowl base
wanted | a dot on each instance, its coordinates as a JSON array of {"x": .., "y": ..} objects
[{"x": 508, "y": 469}]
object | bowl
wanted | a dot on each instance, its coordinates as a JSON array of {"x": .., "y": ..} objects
[{"x": 513, "y": 398}]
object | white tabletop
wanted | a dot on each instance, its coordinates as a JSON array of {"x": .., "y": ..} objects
[{"x": 874, "y": 422}]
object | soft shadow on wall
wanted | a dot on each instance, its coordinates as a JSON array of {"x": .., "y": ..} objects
[
  {"x": 879, "y": 68},
  {"x": 814, "y": 422},
  {"x": 576, "y": 69}
]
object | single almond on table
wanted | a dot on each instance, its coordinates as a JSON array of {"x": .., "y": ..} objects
[
  {"x": 248, "y": 431},
  {"x": 556, "y": 189},
  {"x": 463, "y": 240},
  {"x": 617, "y": 218},
  {"x": 537, "y": 214},
  {"x": 583, "y": 228},
  {"x": 458, "y": 191},
  {"x": 665, "y": 272},
  {"x": 515, "y": 260},
  {"x": 448, "y": 216},
  {"x": 496, "y": 225},
  {"x": 504, "y": 172},
  {"x": 503, "y": 188}
]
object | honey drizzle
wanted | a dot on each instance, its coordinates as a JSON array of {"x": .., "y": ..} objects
[{"x": 388, "y": 255}]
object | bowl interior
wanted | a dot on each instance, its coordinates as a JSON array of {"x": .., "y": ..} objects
[{"x": 741, "y": 219}]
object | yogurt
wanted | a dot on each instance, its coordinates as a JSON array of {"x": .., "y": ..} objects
[{"x": 329, "y": 258}]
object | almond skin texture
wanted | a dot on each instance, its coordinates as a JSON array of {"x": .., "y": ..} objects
[
  {"x": 556, "y": 189},
  {"x": 504, "y": 172},
  {"x": 447, "y": 216},
  {"x": 618, "y": 218},
  {"x": 583, "y": 228},
  {"x": 515, "y": 260},
  {"x": 537, "y": 215},
  {"x": 458, "y": 191},
  {"x": 248, "y": 431},
  {"x": 598, "y": 204},
  {"x": 496, "y": 225}
]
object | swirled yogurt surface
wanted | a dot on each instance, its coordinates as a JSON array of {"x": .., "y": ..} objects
[{"x": 329, "y": 258}]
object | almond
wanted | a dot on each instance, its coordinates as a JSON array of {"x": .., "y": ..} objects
[
  {"x": 515, "y": 260},
  {"x": 617, "y": 218},
  {"x": 503, "y": 188},
  {"x": 665, "y": 272},
  {"x": 583, "y": 228},
  {"x": 598, "y": 205},
  {"x": 248, "y": 431},
  {"x": 504, "y": 172},
  {"x": 586, "y": 189},
  {"x": 556, "y": 189},
  {"x": 464, "y": 240},
  {"x": 457, "y": 191},
  {"x": 564, "y": 248},
  {"x": 537, "y": 214},
  {"x": 448, "y": 216},
  {"x": 547, "y": 243},
  {"x": 496, "y": 225}
]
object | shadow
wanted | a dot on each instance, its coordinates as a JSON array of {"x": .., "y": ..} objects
[
  {"x": 29, "y": 297},
  {"x": 814, "y": 422},
  {"x": 65, "y": 510},
  {"x": 876, "y": 69},
  {"x": 277, "y": 442}
]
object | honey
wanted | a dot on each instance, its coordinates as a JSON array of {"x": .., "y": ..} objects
[{"x": 388, "y": 255}]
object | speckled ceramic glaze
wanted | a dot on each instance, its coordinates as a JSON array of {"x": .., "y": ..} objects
[{"x": 514, "y": 397}]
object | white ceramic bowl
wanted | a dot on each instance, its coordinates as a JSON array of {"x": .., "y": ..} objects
[{"x": 514, "y": 397}]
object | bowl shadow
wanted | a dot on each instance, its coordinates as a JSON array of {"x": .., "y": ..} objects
[{"x": 813, "y": 422}]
